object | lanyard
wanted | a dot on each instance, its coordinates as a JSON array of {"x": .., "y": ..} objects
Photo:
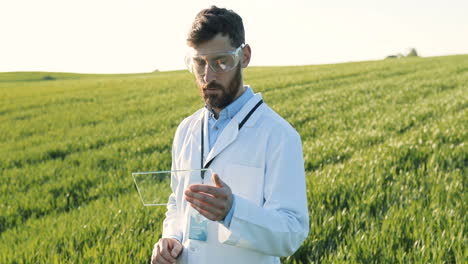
[{"x": 241, "y": 124}]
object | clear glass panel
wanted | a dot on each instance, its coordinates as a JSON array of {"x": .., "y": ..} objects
[{"x": 154, "y": 187}]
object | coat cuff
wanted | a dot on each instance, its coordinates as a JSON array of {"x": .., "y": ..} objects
[
  {"x": 225, "y": 235},
  {"x": 172, "y": 235}
]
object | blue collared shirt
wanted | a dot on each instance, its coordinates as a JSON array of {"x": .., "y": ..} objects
[{"x": 216, "y": 126}]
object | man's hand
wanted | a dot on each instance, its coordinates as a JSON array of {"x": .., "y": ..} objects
[
  {"x": 166, "y": 251},
  {"x": 213, "y": 202}
]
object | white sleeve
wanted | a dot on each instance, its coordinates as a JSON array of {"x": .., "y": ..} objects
[
  {"x": 279, "y": 227},
  {"x": 171, "y": 224}
]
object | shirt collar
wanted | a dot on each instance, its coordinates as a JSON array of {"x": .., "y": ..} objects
[{"x": 233, "y": 108}]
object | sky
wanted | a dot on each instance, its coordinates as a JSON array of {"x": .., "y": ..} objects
[{"x": 129, "y": 36}]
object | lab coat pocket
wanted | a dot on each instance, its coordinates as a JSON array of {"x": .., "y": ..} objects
[{"x": 246, "y": 181}]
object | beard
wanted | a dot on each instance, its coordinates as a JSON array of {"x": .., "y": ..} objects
[{"x": 226, "y": 95}]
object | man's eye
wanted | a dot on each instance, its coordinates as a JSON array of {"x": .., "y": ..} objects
[
  {"x": 221, "y": 60},
  {"x": 198, "y": 61},
  {"x": 222, "y": 66}
]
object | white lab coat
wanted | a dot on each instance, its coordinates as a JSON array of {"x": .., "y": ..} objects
[{"x": 263, "y": 165}]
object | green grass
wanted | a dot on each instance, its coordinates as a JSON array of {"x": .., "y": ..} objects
[{"x": 385, "y": 147}]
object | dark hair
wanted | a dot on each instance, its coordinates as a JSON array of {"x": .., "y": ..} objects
[{"x": 212, "y": 21}]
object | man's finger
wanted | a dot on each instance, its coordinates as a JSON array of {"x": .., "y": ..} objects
[
  {"x": 202, "y": 188},
  {"x": 153, "y": 256},
  {"x": 205, "y": 199},
  {"x": 205, "y": 206},
  {"x": 217, "y": 181},
  {"x": 215, "y": 191},
  {"x": 165, "y": 251},
  {"x": 176, "y": 250},
  {"x": 156, "y": 253},
  {"x": 205, "y": 213}
]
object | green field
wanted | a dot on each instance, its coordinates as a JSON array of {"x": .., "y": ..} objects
[{"x": 385, "y": 147}]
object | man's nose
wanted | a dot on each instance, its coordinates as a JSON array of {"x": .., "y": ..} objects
[{"x": 210, "y": 75}]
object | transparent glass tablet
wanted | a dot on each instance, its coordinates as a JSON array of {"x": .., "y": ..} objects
[{"x": 154, "y": 187}]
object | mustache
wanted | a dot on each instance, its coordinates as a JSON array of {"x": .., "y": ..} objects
[{"x": 212, "y": 85}]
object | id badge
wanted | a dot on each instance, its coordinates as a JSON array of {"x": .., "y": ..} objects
[{"x": 198, "y": 229}]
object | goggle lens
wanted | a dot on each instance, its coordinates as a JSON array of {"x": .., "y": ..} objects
[{"x": 218, "y": 63}]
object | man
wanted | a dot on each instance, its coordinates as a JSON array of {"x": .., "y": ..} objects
[{"x": 253, "y": 209}]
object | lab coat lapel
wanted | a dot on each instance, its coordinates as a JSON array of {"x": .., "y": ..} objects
[
  {"x": 231, "y": 131},
  {"x": 228, "y": 135}
]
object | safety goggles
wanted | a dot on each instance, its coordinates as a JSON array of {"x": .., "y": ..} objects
[{"x": 218, "y": 62}]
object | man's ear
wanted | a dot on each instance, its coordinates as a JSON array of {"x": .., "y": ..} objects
[{"x": 246, "y": 54}]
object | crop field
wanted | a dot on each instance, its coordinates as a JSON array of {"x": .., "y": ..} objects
[{"x": 385, "y": 147}]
